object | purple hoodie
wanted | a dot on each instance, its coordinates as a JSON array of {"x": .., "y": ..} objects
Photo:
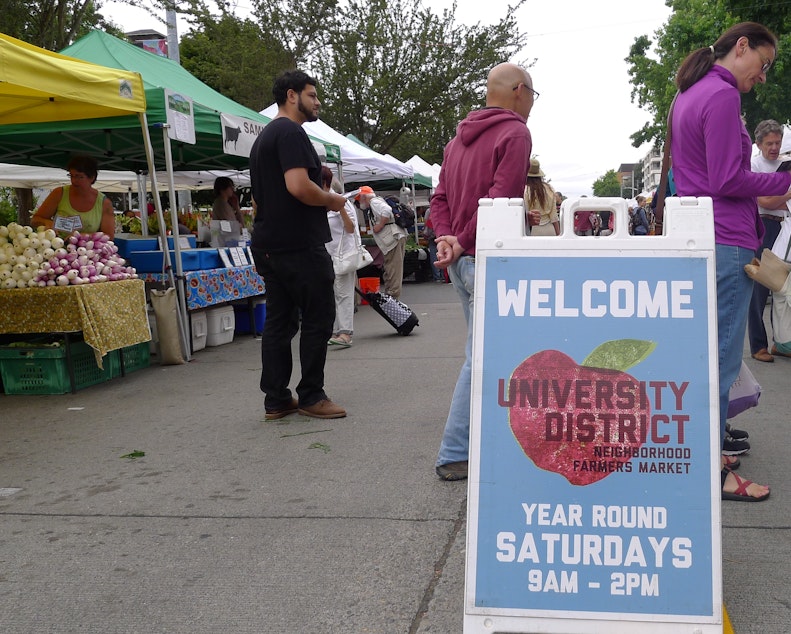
[{"x": 488, "y": 158}]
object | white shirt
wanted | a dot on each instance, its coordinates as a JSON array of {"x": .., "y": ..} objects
[
  {"x": 391, "y": 233},
  {"x": 337, "y": 231},
  {"x": 765, "y": 166}
]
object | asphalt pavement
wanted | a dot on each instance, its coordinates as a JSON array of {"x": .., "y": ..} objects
[{"x": 232, "y": 524}]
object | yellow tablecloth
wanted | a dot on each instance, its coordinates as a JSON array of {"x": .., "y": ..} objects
[{"x": 111, "y": 315}]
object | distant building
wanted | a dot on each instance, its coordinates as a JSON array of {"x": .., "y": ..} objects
[
  {"x": 652, "y": 169},
  {"x": 149, "y": 40},
  {"x": 629, "y": 178}
]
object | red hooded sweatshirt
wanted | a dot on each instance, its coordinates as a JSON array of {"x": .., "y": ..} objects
[{"x": 488, "y": 158}]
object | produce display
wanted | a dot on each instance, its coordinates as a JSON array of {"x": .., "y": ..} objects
[{"x": 32, "y": 258}]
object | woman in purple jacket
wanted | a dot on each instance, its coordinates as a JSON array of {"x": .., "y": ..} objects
[{"x": 711, "y": 151}]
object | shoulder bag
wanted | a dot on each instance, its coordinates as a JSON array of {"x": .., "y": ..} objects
[{"x": 353, "y": 259}]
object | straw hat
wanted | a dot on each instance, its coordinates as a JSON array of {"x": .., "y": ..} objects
[{"x": 535, "y": 168}]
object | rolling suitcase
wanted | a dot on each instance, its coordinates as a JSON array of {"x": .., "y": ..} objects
[{"x": 397, "y": 314}]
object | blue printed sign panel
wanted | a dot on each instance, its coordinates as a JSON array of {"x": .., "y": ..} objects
[{"x": 595, "y": 437}]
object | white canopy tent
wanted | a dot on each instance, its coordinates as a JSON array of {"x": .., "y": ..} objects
[
  {"x": 359, "y": 164},
  {"x": 422, "y": 166},
  {"x": 32, "y": 177}
]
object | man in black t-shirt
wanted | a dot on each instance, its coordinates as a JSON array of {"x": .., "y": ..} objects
[{"x": 289, "y": 234}]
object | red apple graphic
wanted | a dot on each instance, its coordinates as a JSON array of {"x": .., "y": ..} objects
[{"x": 580, "y": 420}]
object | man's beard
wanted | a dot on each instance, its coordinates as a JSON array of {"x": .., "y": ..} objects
[{"x": 309, "y": 114}]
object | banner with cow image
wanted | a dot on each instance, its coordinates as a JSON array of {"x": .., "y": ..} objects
[
  {"x": 594, "y": 488},
  {"x": 239, "y": 134}
]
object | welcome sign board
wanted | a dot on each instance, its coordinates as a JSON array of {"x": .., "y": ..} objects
[{"x": 594, "y": 458}]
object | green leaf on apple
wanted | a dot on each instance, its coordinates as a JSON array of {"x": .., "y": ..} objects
[{"x": 620, "y": 354}]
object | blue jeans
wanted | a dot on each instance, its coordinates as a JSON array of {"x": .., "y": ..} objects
[
  {"x": 734, "y": 290},
  {"x": 755, "y": 321},
  {"x": 455, "y": 445}
]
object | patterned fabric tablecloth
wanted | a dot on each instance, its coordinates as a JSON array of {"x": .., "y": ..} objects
[
  {"x": 111, "y": 315},
  {"x": 215, "y": 286}
]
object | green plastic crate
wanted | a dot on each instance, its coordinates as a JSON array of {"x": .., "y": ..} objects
[
  {"x": 44, "y": 370},
  {"x": 136, "y": 357}
]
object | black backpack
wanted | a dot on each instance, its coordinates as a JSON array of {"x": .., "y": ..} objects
[{"x": 403, "y": 215}]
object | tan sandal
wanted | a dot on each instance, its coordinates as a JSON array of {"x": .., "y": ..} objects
[{"x": 343, "y": 340}]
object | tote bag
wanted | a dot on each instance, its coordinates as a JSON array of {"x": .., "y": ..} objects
[{"x": 782, "y": 244}]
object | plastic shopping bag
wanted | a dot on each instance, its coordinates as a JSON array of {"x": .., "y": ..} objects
[{"x": 744, "y": 393}]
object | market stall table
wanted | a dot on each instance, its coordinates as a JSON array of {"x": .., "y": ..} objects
[
  {"x": 111, "y": 315},
  {"x": 216, "y": 286}
]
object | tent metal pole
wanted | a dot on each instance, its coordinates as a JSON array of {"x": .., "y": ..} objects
[
  {"x": 417, "y": 232},
  {"x": 162, "y": 232},
  {"x": 174, "y": 223},
  {"x": 142, "y": 202}
]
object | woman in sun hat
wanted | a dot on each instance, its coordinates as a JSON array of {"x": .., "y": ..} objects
[{"x": 539, "y": 196}]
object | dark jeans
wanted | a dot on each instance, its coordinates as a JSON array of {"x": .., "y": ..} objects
[
  {"x": 297, "y": 283},
  {"x": 755, "y": 318}
]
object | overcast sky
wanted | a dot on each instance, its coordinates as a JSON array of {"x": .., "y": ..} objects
[{"x": 582, "y": 121}]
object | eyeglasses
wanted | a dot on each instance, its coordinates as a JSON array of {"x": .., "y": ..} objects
[
  {"x": 536, "y": 94},
  {"x": 76, "y": 176},
  {"x": 767, "y": 63}
]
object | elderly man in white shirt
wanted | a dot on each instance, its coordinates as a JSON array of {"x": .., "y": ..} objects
[
  {"x": 772, "y": 209},
  {"x": 389, "y": 237}
]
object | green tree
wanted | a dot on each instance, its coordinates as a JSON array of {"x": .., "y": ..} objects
[
  {"x": 303, "y": 27},
  {"x": 694, "y": 24},
  {"x": 49, "y": 24},
  {"x": 607, "y": 186},
  {"x": 235, "y": 58},
  {"x": 53, "y": 24},
  {"x": 8, "y": 206},
  {"x": 400, "y": 77},
  {"x": 771, "y": 99},
  {"x": 394, "y": 74}
]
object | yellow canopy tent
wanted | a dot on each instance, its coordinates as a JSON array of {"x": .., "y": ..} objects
[{"x": 39, "y": 86}]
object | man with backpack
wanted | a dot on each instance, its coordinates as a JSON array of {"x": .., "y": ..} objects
[{"x": 389, "y": 237}]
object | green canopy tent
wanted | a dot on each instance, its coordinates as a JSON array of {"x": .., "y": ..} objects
[
  {"x": 212, "y": 132},
  {"x": 218, "y": 127},
  {"x": 116, "y": 141}
]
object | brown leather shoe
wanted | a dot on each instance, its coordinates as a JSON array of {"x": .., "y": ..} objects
[
  {"x": 763, "y": 355},
  {"x": 452, "y": 471},
  {"x": 323, "y": 409},
  {"x": 777, "y": 353},
  {"x": 283, "y": 410}
]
